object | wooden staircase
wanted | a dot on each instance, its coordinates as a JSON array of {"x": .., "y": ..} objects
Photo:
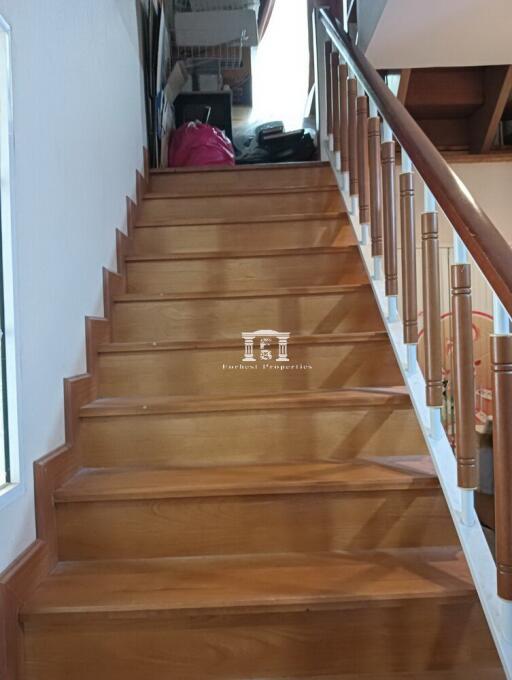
[{"x": 235, "y": 523}]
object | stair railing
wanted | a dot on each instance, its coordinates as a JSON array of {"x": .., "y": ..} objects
[{"x": 360, "y": 122}]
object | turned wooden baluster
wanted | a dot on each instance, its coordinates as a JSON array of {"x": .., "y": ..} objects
[
  {"x": 432, "y": 309},
  {"x": 375, "y": 192},
  {"x": 363, "y": 166},
  {"x": 389, "y": 220},
  {"x": 408, "y": 233},
  {"x": 335, "y": 102},
  {"x": 328, "y": 90},
  {"x": 501, "y": 358},
  {"x": 463, "y": 377},
  {"x": 352, "y": 138},
  {"x": 343, "y": 92}
]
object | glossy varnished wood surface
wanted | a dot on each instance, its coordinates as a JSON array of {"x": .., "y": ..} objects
[
  {"x": 168, "y": 211},
  {"x": 190, "y": 368},
  {"x": 281, "y": 644},
  {"x": 299, "y": 310},
  {"x": 362, "y": 397},
  {"x": 302, "y": 232},
  {"x": 314, "y": 433},
  {"x": 190, "y": 182},
  {"x": 397, "y": 472},
  {"x": 221, "y": 531},
  {"x": 243, "y": 270},
  {"x": 249, "y": 583}
]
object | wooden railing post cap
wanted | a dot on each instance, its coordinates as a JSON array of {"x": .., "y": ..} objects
[
  {"x": 388, "y": 152},
  {"x": 362, "y": 105},
  {"x": 374, "y": 127},
  {"x": 501, "y": 352},
  {"x": 406, "y": 180},
  {"x": 461, "y": 278},
  {"x": 429, "y": 225}
]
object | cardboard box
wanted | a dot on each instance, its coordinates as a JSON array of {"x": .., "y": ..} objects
[{"x": 216, "y": 28}]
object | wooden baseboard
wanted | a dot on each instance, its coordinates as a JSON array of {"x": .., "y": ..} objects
[{"x": 26, "y": 572}]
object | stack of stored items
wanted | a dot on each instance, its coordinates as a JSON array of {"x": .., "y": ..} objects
[
  {"x": 214, "y": 38},
  {"x": 154, "y": 16}
]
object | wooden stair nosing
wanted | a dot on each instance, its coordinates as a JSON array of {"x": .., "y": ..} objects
[
  {"x": 295, "y": 291},
  {"x": 291, "y": 582},
  {"x": 362, "y": 397},
  {"x": 248, "y": 219},
  {"x": 243, "y": 254},
  {"x": 463, "y": 673},
  {"x": 119, "y": 484},
  {"x": 298, "y": 340},
  {"x": 227, "y": 192},
  {"x": 206, "y": 170}
]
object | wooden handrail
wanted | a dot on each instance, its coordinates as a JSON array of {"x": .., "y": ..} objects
[{"x": 486, "y": 244}]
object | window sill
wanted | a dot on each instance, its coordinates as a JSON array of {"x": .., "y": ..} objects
[{"x": 10, "y": 493}]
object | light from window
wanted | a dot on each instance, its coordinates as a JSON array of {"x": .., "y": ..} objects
[{"x": 9, "y": 461}]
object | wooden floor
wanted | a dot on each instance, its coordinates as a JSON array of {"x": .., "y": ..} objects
[{"x": 234, "y": 520}]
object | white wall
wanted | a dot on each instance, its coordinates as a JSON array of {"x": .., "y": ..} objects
[
  {"x": 415, "y": 33},
  {"x": 369, "y": 13},
  {"x": 490, "y": 185},
  {"x": 79, "y": 134}
]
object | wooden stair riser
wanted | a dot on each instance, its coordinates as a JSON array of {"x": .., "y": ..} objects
[
  {"x": 368, "y": 641},
  {"x": 245, "y": 273},
  {"x": 311, "y": 522},
  {"x": 222, "y": 371},
  {"x": 204, "y": 439},
  {"x": 205, "y": 319},
  {"x": 243, "y": 237},
  {"x": 190, "y": 183},
  {"x": 173, "y": 210}
]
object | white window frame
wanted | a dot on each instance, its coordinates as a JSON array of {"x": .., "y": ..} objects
[{"x": 15, "y": 487}]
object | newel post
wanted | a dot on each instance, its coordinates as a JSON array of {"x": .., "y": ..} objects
[
  {"x": 432, "y": 318},
  {"x": 464, "y": 389},
  {"x": 389, "y": 219}
]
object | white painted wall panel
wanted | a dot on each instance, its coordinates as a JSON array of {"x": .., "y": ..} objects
[
  {"x": 79, "y": 134},
  {"x": 415, "y": 33}
]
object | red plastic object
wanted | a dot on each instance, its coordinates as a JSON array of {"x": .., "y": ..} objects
[{"x": 197, "y": 144}]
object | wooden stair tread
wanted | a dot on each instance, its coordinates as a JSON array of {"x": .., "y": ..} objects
[
  {"x": 210, "y": 169},
  {"x": 247, "y": 219},
  {"x": 96, "y": 484},
  {"x": 241, "y": 254},
  {"x": 320, "y": 339},
  {"x": 357, "y": 397},
  {"x": 258, "y": 191},
  {"x": 339, "y": 289},
  {"x": 457, "y": 674},
  {"x": 249, "y": 583}
]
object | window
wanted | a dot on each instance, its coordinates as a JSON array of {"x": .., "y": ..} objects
[
  {"x": 281, "y": 67},
  {"x": 9, "y": 461}
]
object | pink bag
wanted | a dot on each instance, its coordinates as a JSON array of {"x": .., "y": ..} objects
[{"x": 196, "y": 144}]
